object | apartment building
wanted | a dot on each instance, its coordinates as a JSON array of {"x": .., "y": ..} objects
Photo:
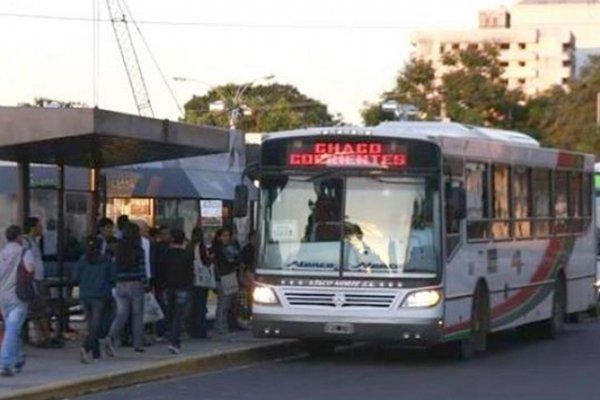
[{"x": 534, "y": 58}]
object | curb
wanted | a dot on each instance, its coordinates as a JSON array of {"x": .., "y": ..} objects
[{"x": 158, "y": 371}]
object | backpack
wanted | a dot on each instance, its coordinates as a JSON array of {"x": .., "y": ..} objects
[{"x": 25, "y": 289}]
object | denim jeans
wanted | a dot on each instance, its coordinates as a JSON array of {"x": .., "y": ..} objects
[
  {"x": 162, "y": 326},
  {"x": 197, "y": 317},
  {"x": 97, "y": 311},
  {"x": 224, "y": 304},
  {"x": 177, "y": 304},
  {"x": 14, "y": 314},
  {"x": 130, "y": 301}
]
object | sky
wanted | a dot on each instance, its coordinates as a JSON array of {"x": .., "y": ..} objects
[{"x": 341, "y": 52}]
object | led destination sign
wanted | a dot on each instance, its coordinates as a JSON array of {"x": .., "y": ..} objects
[{"x": 348, "y": 154}]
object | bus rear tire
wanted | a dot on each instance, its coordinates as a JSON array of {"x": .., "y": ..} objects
[{"x": 554, "y": 326}]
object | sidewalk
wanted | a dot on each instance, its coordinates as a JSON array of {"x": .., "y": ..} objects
[{"x": 57, "y": 374}]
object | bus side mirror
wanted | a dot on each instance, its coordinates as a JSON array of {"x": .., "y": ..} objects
[
  {"x": 240, "y": 201},
  {"x": 456, "y": 203}
]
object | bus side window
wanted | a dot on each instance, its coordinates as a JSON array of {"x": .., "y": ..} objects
[
  {"x": 561, "y": 202},
  {"x": 521, "y": 208},
  {"x": 501, "y": 226},
  {"x": 541, "y": 203},
  {"x": 454, "y": 178},
  {"x": 477, "y": 188}
]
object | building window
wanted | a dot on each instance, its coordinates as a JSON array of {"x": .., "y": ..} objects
[
  {"x": 504, "y": 81},
  {"x": 504, "y": 46},
  {"x": 522, "y": 63},
  {"x": 521, "y": 81},
  {"x": 567, "y": 47},
  {"x": 504, "y": 64},
  {"x": 455, "y": 46},
  {"x": 565, "y": 81},
  {"x": 567, "y": 63}
]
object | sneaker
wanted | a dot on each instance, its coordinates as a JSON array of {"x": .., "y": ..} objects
[
  {"x": 174, "y": 349},
  {"x": 19, "y": 366},
  {"x": 7, "y": 373},
  {"x": 139, "y": 350},
  {"x": 109, "y": 349},
  {"x": 84, "y": 356}
]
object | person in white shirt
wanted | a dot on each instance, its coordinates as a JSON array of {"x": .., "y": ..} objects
[{"x": 14, "y": 311}]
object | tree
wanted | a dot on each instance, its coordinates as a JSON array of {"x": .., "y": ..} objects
[
  {"x": 268, "y": 108},
  {"x": 567, "y": 118},
  {"x": 45, "y": 102},
  {"x": 415, "y": 84},
  {"x": 470, "y": 87},
  {"x": 474, "y": 91}
]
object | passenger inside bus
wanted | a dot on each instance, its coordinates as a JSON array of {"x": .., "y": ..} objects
[{"x": 421, "y": 251}]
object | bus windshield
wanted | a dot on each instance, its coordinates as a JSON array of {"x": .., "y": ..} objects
[{"x": 390, "y": 225}]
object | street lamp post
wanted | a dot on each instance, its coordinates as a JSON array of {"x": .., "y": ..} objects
[{"x": 237, "y": 109}]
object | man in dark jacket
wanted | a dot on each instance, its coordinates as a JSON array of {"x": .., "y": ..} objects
[
  {"x": 158, "y": 257},
  {"x": 180, "y": 264}
]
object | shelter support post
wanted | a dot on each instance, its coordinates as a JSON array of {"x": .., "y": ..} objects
[
  {"x": 23, "y": 192},
  {"x": 94, "y": 209},
  {"x": 60, "y": 249}
]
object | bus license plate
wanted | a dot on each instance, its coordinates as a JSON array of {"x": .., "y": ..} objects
[{"x": 339, "y": 329}]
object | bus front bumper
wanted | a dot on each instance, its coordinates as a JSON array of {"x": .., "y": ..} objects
[{"x": 405, "y": 331}]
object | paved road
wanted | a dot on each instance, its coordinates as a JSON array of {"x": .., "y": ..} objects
[{"x": 568, "y": 368}]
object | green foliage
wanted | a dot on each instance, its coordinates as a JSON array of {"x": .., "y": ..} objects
[
  {"x": 415, "y": 84},
  {"x": 474, "y": 91},
  {"x": 43, "y": 102},
  {"x": 470, "y": 87},
  {"x": 273, "y": 107},
  {"x": 567, "y": 118}
]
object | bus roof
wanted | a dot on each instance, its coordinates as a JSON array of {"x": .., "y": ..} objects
[
  {"x": 475, "y": 142},
  {"x": 420, "y": 130}
]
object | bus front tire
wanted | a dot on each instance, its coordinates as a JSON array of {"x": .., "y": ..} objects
[
  {"x": 476, "y": 343},
  {"x": 480, "y": 325}
]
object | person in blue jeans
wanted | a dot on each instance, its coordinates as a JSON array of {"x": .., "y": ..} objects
[
  {"x": 95, "y": 274},
  {"x": 179, "y": 280},
  {"x": 14, "y": 311},
  {"x": 130, "y": 289}
]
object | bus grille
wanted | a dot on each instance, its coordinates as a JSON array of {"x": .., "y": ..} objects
[{"x": 339, "y": 299}]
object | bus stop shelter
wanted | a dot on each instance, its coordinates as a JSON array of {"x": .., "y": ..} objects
[{"x": 95, "y": 139}]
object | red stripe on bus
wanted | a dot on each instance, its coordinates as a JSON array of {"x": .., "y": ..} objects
[{"x": 542, "y": 273}]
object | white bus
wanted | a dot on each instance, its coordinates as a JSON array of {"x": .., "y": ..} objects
[{"x": 420, "y": 233}]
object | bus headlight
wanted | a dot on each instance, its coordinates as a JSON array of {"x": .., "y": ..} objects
[
  {"x": 264, "y": 295},
  {"x": 423, "y": 298}
]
